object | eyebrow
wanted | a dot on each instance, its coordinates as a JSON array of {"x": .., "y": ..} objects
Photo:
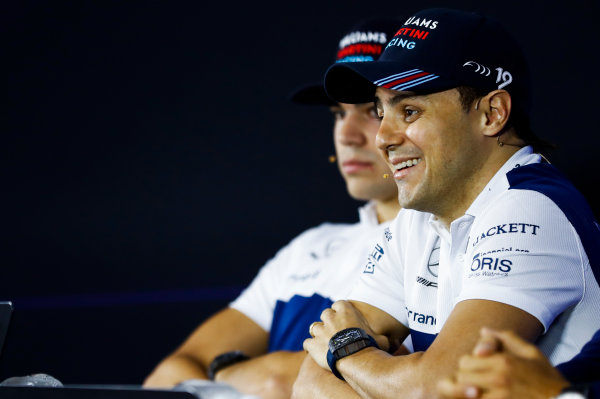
[{"x": 395, "y": 99}]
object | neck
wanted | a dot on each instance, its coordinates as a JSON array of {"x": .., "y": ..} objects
[
  {"x": 476, "y": 183},
  {"x": 387, "y": 209}
]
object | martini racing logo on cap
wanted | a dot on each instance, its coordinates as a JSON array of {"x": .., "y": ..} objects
[
  {"x": 427, "y": 23},
  {"x": 407, "y": 37},
  {"x": 361, "y": 46},
  {"x": 404, "y": 35}
]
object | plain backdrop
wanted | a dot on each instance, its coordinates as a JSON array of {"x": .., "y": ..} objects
[{"x": 152, "y": 161}]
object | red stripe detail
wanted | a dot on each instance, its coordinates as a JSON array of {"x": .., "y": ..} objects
[
  {"x": 360, "y": 48},
  {"x": 407, "y": 79}
]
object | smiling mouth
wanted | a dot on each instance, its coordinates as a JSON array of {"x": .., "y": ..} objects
[{"x": 406, "y": 164}]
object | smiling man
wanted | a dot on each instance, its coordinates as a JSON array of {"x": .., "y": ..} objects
[{"x": 490, "y": 233}]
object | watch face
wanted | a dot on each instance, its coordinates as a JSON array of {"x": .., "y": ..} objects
[{"x": 344, "y": 337}]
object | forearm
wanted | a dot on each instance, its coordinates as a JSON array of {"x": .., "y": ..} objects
[
  {"x": 369, "y": 373},
  {"x": 173, "y": 370},
  {"x": 225, "y": 331},
  {"x": 376, "y": 374},
  {"x": 269, "y": 376},
  {"x": 315, "y": 382},
  {"x": 373, "y": 373}
]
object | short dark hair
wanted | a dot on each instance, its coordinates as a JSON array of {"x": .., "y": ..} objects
[{"x": 518, "y": 119}]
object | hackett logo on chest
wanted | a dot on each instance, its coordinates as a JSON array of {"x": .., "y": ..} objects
[{"x": 507, "y": 228}]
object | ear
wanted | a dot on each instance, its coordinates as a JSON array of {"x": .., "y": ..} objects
[{"x": 496, "y": 106}]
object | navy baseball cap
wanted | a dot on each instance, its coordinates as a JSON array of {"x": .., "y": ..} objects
[
  {"x": 435, "y": 50},
  {"x": 363, "y": 42}
]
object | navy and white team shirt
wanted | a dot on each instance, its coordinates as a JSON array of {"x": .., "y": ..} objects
[
  {"x": 585, "y": 367},
  {"x": 528, "y": 240},
  {"x": 305, "y": 277}
]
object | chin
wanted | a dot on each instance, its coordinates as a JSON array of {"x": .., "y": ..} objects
[
  {"x": 364, "y": 192},
  {"x": 407, "y": 201},
  {"x": 359, "y": 193},
  {"x": 414, "y": 204}
]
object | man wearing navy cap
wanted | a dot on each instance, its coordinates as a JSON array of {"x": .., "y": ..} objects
[
  {"x": 255, "y": 344},
  {"x": 490, "y": 233}
]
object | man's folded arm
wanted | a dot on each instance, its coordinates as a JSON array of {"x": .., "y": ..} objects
[
  {"x": 374, "y": 373},
  {"x": 226, "y": 331}
]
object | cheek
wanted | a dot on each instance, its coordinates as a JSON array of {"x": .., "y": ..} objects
[
  {"x": 337, "y": 128},
  {"x": 336, "y": 147},
  {"x": 418, "y": 134}
]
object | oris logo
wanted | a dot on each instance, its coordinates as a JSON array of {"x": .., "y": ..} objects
[{"x": 490, "y": 264}]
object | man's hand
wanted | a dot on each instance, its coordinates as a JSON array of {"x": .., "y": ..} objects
[
  {"x": 341, "y": 315},
  {"x": 501, "y": 366}
]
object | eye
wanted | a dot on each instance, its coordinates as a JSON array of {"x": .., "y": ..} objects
[
  {"x": 374, "y": 113},
  {"x": 338, "y": 113},
  {"x": 378, "y": 113},
  {"x": 410, "y": 114}
]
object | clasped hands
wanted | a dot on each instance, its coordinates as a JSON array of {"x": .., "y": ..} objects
[{"x": 341, "y": 315}]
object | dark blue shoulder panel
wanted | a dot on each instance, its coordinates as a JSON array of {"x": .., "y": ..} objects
[
  {"x": 291, "y": 320},
  {"x": 585, "y": 366},
  {"x": 549, "y": 181}
]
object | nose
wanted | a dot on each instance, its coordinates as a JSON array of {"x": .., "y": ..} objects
[
  {"x": 388, "y": 136},
  {"x": 350, "y": 130}
]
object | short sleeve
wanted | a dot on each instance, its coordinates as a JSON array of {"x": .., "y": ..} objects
[
  {"x": 525, "y": 253},
  {"x": 258, "y": 300}
]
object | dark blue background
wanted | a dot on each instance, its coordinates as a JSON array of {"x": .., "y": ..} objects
[{"x": 152, "y": 162}]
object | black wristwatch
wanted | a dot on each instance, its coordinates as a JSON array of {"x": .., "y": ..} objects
[
  {"x": 346, "y": 342},
  {"x": 225, "y": 360}
]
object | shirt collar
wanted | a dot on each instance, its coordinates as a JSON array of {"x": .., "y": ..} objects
[
  {"x": 497, "y": 185},
  {"x": 367, "y": 214}
]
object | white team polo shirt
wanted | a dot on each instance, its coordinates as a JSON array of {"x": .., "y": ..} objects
[
  {"x": 514, "y": 245},
  {"x": 306, "y": 276}
]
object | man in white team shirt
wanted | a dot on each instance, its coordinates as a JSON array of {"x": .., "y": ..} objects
[
  {"x": 490, "y": 234},
  {"x": 269, "y": 321}
]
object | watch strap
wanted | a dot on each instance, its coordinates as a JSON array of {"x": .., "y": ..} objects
[
  {"x": 348, "y": 349},
  {"x": 225, "y": 360}
]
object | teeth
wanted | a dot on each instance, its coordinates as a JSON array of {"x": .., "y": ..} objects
[{"x": 410, "y": 162}]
